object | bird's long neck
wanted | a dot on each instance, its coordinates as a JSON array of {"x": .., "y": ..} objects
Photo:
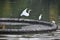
[{"x": 29, "y": 11}]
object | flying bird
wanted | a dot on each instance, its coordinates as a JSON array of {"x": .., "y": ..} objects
[{"x": 25, "y": 13}]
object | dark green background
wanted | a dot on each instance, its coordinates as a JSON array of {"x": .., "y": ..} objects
[{"x": 13, "y": 8}]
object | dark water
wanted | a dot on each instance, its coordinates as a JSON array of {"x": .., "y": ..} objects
[{"x": 45, "y": 36}]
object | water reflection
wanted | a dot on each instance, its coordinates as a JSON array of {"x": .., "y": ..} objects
[
  {"x": 29, "y": 39},
  {"x": 45, "y": 36}
]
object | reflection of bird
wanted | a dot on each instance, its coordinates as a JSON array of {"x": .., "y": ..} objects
[
  {"x": 25, "y": 13},
  {"x": 53, "y": 21},
  {"x": 40, "y": 16}
]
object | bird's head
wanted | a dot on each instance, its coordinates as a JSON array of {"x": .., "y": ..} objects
[
  {"x": 40, "y": 14},
  {"x": 29, "y": 10}
]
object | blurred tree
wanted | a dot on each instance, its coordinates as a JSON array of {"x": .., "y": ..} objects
[
  {"x": 53, "y": 11},
  {"x": 6, "y": 9},
  {"x": 1, "y": 7}
]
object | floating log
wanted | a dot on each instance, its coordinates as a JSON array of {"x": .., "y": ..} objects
[{"x": 34, "y": 26}]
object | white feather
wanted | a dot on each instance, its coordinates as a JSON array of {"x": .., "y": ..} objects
[
  {"x": 40, "y": 16},
  {"x": 24, "y": 13},
  {"x": 53, "y": 21}
]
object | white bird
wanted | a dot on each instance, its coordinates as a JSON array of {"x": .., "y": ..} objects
[
  {"x": 53, "y": 21},
  {"x": 25, "y": 13},
  {"x": 40, "y": 16}
]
